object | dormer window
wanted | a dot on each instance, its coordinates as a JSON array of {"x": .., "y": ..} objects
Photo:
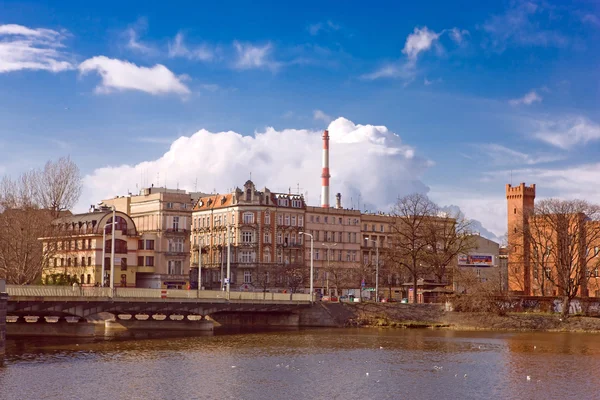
[{"x": 248, "y": 194}]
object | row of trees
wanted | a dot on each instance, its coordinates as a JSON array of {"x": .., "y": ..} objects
[{"x": 28, "y": 205}]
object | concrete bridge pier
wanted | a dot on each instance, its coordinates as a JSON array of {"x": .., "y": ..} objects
[{"x": 3, "y": 306}]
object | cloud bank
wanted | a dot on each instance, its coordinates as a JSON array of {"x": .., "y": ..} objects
[{"x": 368, "y": 163}]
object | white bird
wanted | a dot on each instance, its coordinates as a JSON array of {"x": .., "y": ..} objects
[
  {"x": 528, "y": 378},
  {"x": 367, "y": 374},
  {"x": 380, "y": 347},
  {"x": 455, "y": 375},
  {"x": 233, "y": 366},
  {"x": 534, "y": 347},
  {"x": 287, "y": 366},
  {"x": 278, "y": 365},
  {"x": 465, "y": 376}
]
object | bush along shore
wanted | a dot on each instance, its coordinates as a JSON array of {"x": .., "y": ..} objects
[{"x": 397, "y": 315}]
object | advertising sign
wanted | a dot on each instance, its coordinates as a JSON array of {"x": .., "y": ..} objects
[{"x": 479, "y": 260}]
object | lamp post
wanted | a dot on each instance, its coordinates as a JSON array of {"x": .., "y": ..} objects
[
  {"x": 227, "y": 280},
  {"x": 112, "y": 251},
  {"x": 312, "y": 244},
  {"x": 199, "y": 268},
  {"x": 376, "y": 269},
  {"x": 329, "y": 246}
]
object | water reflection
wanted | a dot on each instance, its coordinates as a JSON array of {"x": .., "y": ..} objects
[{"x": 353, "y": 363}]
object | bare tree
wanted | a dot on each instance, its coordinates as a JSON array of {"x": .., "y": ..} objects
[
  {"x": 446, "y": 236},
  {"x": 563, "y": 236},
  {"x": 58, "y": 185},
  {"x": 28, "y": 205},
  {"x": 408, "y": 238},
  {"x": 265, "y": 276}
]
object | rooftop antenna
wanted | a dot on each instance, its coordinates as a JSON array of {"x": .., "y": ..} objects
[
  {"x": 196, "y": 185},
  {"x": 250, "y": 175},
  {"x": 511, "y": 177},
  {"x": 158, "y": 178}
]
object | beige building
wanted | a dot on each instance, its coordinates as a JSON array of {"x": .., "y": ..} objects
[
  {"x": 337, "y": 240},
  {"x": 77, "y": 248},
  {"x": 261, "y": 229},
  {"x": 163, "y": 218},
  {"x": 482, "y": 264}
]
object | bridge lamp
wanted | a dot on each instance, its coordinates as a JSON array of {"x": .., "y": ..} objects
[
  {"x": 112, "y": 252},
  {"x": 376, "y": 268},
  {"x": 312, "y": 244}
]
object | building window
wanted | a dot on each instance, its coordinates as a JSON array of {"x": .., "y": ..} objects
[
  {"x": 381, "y": 228},
  {"x": 89, "y": 261},
  {"x": 293, "y": 220},
  {"x": 149, "y": 244},
  {"x": 316, "y": 254},
  {"x": 89, "y": 279},
  {"x": 279, "y": 238},
  {"x": 312, "y": 218},
  {"x": 348, "y": 255},
  {"x": 175, "y": 267},
  {"x": 325, "y": 219},
  {"x": 318, "y": 218},
  {"x": 267, "y": 257},
  {"x": 248, "y": 218},
  {"x": 176, "y": 245},
  {"x": 354, "y": 237},
  {"x": 247, "y": 276},
  {"x": 83, "y": 261},
  {"x": 339, "y": 255},
  {"x": 267, "y": 238},
  {"x": 169, "y": 205},
  {"x": 247, "y": 237},
  {"x": 300, "y": 220},
  {"x": 267, "y": 218},
  {"x": 140, "y": 262},
  {"x": 123, "y": 264},
  {"x": 175, "y": 223},
  {"x": 140, "y": 244},
  {"x": 287, "y": 220},
  {"x": 246, "y": 256},
  {"x": 120, "y": 246},
  {"x": 149, "y": 261}
]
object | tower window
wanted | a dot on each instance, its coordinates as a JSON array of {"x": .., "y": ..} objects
[{"x": 515, "y": 210}]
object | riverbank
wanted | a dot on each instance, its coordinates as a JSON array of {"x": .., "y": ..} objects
[{"x": 397, "y": 315}]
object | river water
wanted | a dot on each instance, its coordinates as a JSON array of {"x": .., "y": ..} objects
[{"x": 308, "y": 364}]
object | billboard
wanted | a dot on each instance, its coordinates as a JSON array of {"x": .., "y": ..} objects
[{"x": 476, "y": 260}]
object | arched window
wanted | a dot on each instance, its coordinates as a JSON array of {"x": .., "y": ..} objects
[
  {"x": 120, "y": 246},
  {"x": 121, "y": 224}
]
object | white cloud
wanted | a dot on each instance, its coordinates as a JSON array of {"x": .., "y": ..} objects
[
  {"x": 522, "y": 25},
  {"x": 405, "y": 71},
  {"x": 23, "y": 48},
  {"x": 528, "y": 99},
  {"x": 321, "y": 116},
  {"x": 177, "y": 48},
  {"x": 250, "y": 56},
  {"x": 428, "y": 82},
  {"x": 123, "y": 75},
  {"x": 419, "y": 41},
  {"x": 279, "y": 159},
  {"x": 326, "y": 26},
  {"x": 502, "y": 155},
  {"x": 458, "y": 35},
  {"x": 567, "y": 132}
]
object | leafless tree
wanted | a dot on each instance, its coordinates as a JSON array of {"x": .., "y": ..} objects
[
  {"x": 480, "y": 295},
  {"x": 408, "y": 238},
  {"x": 446, "y": 236},
  {"x": 265, "y": 276},
  {"x": 563, "y": 236},
  {"x": 58, "y": 186},
  {"x": 28, "y": 205}
]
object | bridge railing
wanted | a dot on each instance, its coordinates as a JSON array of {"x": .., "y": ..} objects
[
  {"x": 78, "y": 291},
  {"x": 57, "y": 291}
]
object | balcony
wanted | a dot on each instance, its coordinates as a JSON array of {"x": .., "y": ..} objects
[
  {"x": 177, "y": 232},
  {"x": 173, "y": 253}
]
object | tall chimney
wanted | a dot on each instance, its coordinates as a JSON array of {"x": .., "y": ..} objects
[
  {"x": 325, "y": 174},
  {"x": 338, "y": 201}
]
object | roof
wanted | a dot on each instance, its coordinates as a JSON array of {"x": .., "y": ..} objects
[
  {"x": 83, "y": 218},
  {"x": 214, "y": 202}
]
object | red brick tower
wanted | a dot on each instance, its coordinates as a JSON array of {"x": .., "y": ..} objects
[{"x": 520, "y": 201}]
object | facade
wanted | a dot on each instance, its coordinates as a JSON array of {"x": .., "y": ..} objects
[
  {"x": 77, "y": 248},
  {"x": 482, "y": 264},
  {"x": 336, "y": 234},
  {"x": 163, "y": 219},
  {"x": 536, "y": 242},
  {"x": 261, "y": 232}
]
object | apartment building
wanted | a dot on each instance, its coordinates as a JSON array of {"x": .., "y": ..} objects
[{"x": 163, "y": 219}]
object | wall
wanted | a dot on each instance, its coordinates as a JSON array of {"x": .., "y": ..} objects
[{"x": 3, "y": 305}]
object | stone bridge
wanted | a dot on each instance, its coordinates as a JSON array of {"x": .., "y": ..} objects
[{"x": 150, "y": 308}]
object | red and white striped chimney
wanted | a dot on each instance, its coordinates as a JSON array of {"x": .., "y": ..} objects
[{"x": 325, "y": 175}]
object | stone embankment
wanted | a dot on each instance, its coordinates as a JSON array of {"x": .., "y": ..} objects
[{"x": 397, "y": 315}]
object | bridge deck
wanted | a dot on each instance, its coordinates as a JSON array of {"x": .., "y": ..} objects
[{"x": 67, "y": 293}]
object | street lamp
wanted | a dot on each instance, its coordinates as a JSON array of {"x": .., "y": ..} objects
[
  {"x": 199, "y": 267},
  {"x": 227, "y": 280},
  {"x": 376, "y": 268},
  {"x": 112, "y": 252},
  {"x": 312, "y": 244},
  {"x": 329, "y": 246}
]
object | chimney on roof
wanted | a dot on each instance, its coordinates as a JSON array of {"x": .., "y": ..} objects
[
  {"x": 338, "y": 201},
  {"x": 325, "y": 174}
]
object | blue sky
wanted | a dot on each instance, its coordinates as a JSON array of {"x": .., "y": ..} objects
[{"x": 454, "y": 97}]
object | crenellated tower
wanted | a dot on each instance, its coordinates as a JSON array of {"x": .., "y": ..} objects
[{"x": 520, "y": 202}]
